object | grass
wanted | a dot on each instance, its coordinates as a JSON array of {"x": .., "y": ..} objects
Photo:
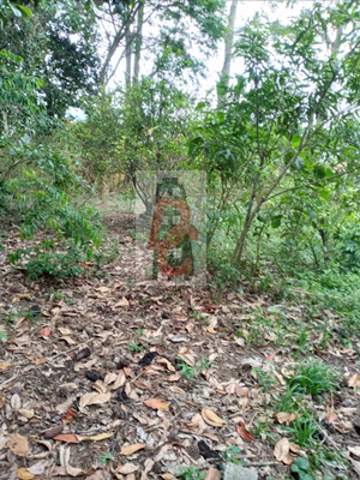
[
  {"x": 304, "y": 430},
  {"x": 135, "y": 347},
  {"x": 189, "y": 372},
  {"x": 3, "y": 336},
  {"x": 314, "y": 378},
  {"x": 191, "y": 473}
]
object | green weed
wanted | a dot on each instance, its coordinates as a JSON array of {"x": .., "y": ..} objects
[
  {"x": 135, "y": 347},
  {"x": 191, "y": 473},
  {"x": 313, "y": 378}
]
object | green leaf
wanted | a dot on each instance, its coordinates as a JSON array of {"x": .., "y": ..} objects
[
  {"x": 26, "y": 11},
  {"x": 276, "y": 221}
]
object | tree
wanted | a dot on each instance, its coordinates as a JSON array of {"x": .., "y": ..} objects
[
  {"x": 228, "y": 53},
  {"x": 172, "y": 30},
  {"x": 57, "y": 45},
  {"x": 279, "y": 118}
]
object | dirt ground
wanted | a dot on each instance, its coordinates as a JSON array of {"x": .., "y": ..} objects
[{"x": 111, "y": 376}]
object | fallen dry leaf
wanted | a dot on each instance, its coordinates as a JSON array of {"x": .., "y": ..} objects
[
  {"x": 282, "y": 451},
  {"x": 4, "y": 366},
  {"x": 244, "y": 433},
  {"x": 330, "y": 416},
  {"x": 67, "y": 438},
  {"x": 94, "y": 399},
  {"x": 148, "y": 467},
  {"x": 18, "y": 444},
  {"x": 96, "y": 438},
  {"x": 211, "y": 418},
  {"x": 64, "y": 455},
  {"x": 355, "y": 450},
  {"x": 124, "y": 302},
  {"x": 26, "y": 413},
  {"x": 45, "y": 332},
  {"x": 24, "y": 474},
  {"x": 157, "y": 404},
  {"x": 131, "y": 449},
  {"x": 354, "y": 381},
  {"x": 127, "y": 468},
  {"x": 285, "y": 417}
]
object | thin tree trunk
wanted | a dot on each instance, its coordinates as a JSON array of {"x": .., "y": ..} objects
[
  {"x": 128, "y": 57},
  {"x": 138, "y": 42},
  {"x": 229, "y": 41}
]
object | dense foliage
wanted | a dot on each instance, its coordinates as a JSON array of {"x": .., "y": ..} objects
[{"x": 280, "y": 148}]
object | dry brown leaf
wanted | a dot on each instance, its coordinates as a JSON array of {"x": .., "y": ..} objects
[
  {"x": 157, "y": 404},
  {"x": 330, "y": 416},
  {"x": 294, "y": 448},
  {"x": 127, "y": 468},
  {"x": 94, "y": 399},
  {"x": 120, "y": 381},
  {"x": 124, "y": 302},
  {"x": 165, "y": 361},
  {"x": 18, "y": 444},
  {"x": 168, "y": 476},
  {"x": 67, "y": 438},
  {"x": 148, "y": 467},
  {"x": 26, "y": 413},
  {"x": 2, "y": 401},
  {"x": 244, "y": 433},
  {"x": 197, "y": 423},
  {"x": 96, "y": 438},
  {"x": 131, "y": 449},
  {"x": 211, "y": 418},
  {"x": 24, "y": 474},
  {"x": 285, "y": 417},
  {"x": 282, "y": 451},
  {"x": 64, "y": 455},
  {"x": 110, "y": 378},
  {"x": 4, "y": 366},
  {"x": 354, "y": 381},
  {"x": 45, "y": 332},
  {"x": 237, "y": 389},
  {"x": 355, "y": 450},
  {"x": 213, "y": 474}
]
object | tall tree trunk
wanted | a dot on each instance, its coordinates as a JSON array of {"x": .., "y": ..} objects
[
  {"x": 138, "y": 42},
  {"x": 229, "y": 41},
  {"x": 128, "y": 57}
]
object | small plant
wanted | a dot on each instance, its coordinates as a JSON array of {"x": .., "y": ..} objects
[
  {"x": 135, "y": 347},
  {"x": 232, "y": 454},
  {"x": 190, "y": 372},
  {"x": 3, "y": 336},
  {"x": 186, "y": 370},
  {"x": 265, "y": 379},
  {"x": 106, "y": 457},
  {"x": 302, "y": 469},
  {"x": 313, "y": 378},
  {"x": 303, "y": 341},
  {"x": 288, "y": 402},
  {"x": 191, "y": 473},
  {"x": 304, "y": 429}
]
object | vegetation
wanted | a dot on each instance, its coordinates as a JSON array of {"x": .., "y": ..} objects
[{"x": 95, "y": 93}]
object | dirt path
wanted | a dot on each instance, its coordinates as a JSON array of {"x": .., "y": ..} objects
[{"x": 110, "y": 377}]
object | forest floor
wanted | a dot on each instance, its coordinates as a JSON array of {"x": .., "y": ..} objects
[{"x": 107, "y": 377}]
